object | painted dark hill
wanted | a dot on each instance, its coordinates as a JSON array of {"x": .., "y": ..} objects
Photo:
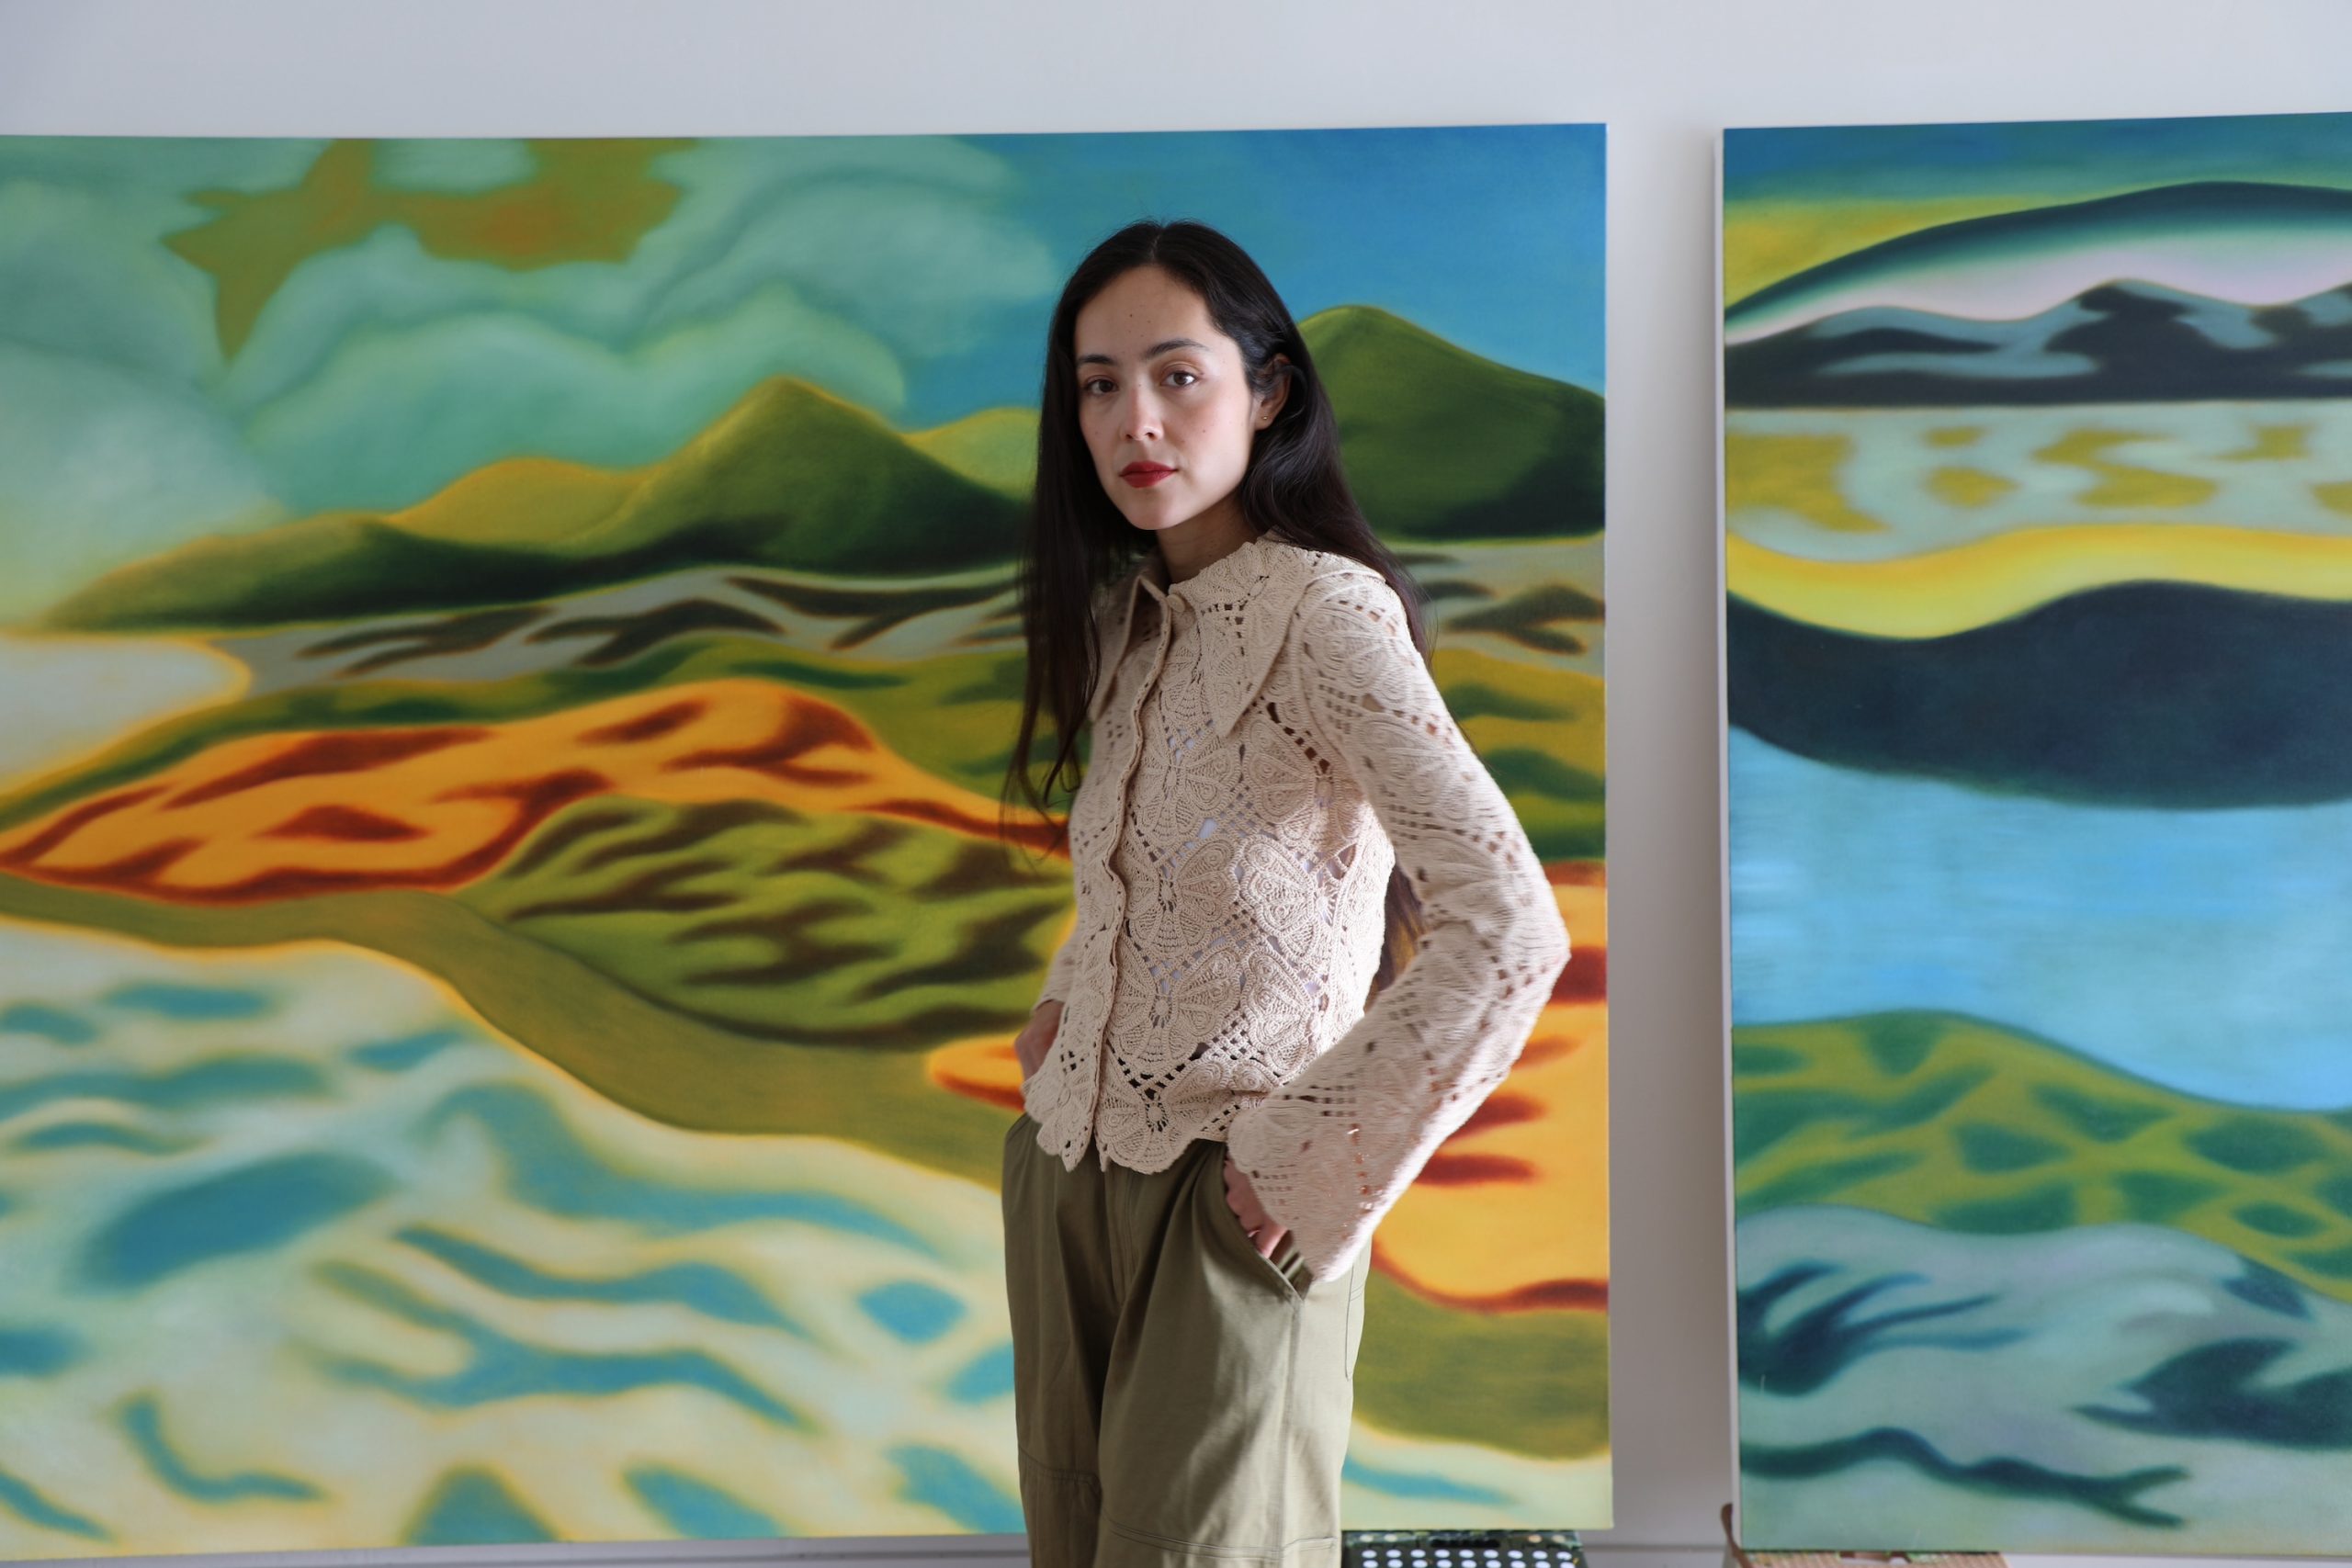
[
  {"x": 2119, "y": 343},
  {"x": 2145, "y": 693},
  {"x": 2158, "y": 212},
  {"x": 791, "y": 478},
  {"x": 1442, "y": 444},
  {"x": 2125, "y": 339}
]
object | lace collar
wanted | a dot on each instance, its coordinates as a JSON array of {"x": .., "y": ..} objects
[{"x": 1243, "y": 601}]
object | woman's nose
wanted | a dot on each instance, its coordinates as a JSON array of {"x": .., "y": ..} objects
[{"x": 1143, "y": 417}]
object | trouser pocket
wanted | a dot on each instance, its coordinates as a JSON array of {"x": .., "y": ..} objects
[
  {"x": 1354, "y": 1339},
  {"x": 1288, "y": 1274}
]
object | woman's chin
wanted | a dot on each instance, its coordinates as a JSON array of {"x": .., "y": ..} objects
[{"x": 1154, "y": 522}]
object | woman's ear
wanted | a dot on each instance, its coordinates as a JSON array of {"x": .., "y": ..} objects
[{"x": 1270, "y": 403}]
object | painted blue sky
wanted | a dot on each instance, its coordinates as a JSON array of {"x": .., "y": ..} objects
[{"x": 1489, "y": 236}]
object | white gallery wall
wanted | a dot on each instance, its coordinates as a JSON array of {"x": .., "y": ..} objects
[{"x": 1664, "y": 75}]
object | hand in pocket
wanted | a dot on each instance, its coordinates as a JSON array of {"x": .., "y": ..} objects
[
  {"x": 1242, "y": 1199},
  {"x": 1036, "y": 1038}
]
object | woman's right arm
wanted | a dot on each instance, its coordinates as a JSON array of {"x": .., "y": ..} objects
[{"x": 1036, "y": 1037}]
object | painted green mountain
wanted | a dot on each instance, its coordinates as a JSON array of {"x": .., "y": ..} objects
[
  {"x": 1443, "y": 445},
  {"x": 791, "y": 478},
  {"x": 995, "y": 447},
  {"x": 1949, "y": 1121}
]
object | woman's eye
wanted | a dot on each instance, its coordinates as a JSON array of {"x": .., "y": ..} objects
[
  {"x": 1087, "y": 387},
  {"x": 1189, "y": 377}
]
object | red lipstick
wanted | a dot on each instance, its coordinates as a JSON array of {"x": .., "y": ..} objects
[{"x": 1143, "y": 476}]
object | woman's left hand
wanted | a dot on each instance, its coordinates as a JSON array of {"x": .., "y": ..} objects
[{"x": 1242, "y": 1199}]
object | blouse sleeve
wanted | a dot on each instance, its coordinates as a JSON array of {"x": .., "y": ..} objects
[
  {"x": 1057, "y": 974},
  {"x": 1330, "y": 1151}
]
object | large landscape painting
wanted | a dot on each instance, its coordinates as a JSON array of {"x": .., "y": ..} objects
[{"x": 509, "y": 945}]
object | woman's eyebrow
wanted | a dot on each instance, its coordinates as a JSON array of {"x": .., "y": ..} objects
[{"x": 1154, "y": 352}]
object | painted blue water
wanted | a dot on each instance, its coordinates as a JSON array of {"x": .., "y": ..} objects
[
  {"x": 914, "y": 1311},
  {"x": 942, "y": 1479},
  {"x": 715, "y": 1291},
  {"x": 550, "y": 1167},
  {"x": 2207, "y": 951},
  {"x": 241, "y": 1190},
  {"x": 331, "y": 1265},
  {"x": 696, "y": 1509},
  {"x": 1417, "y": 1487},
  {"x": 255, "y": 1207},
  {"x": 2120, "y": 1388}
]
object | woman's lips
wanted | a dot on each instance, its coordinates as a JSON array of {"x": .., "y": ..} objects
[{"x": 1143, "y": 476}]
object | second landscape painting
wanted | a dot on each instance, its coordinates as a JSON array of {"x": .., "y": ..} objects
[{"x": 2038, "y": 460}]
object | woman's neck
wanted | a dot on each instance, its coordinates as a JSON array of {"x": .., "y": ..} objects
[{"x": 1192, "y": 546}]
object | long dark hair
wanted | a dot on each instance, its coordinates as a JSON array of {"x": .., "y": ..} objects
[{"x": 1296, "y": 489}]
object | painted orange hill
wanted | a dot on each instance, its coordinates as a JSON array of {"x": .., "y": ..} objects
[
  {"x": 297, "y": 812},
  {"x": 1511, "y": 1214}
]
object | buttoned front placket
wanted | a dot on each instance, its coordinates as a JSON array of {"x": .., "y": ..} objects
[{"x": 1143, "y": 693}]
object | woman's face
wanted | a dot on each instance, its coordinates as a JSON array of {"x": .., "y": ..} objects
[{"x": 1163, "y": 401}]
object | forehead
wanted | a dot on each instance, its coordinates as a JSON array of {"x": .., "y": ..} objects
[{"x": 1139, "y": 308}]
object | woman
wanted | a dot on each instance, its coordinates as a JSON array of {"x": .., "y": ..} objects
[{"x": 1276, "y": 813}]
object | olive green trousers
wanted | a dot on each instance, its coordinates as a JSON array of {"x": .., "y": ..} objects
[{"x": 1179, "y": 1398}]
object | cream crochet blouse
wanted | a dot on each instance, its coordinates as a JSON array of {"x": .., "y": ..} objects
[{"x": 1267, "y": 742}]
